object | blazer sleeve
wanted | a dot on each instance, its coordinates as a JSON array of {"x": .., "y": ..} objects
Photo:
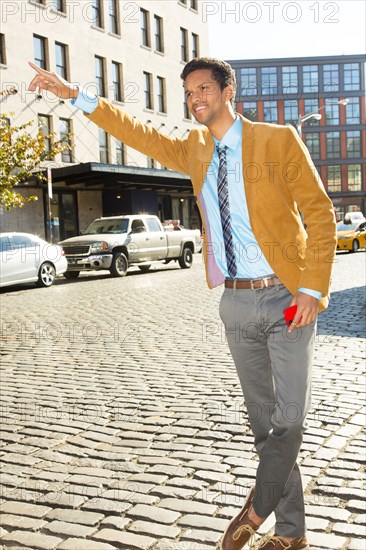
[
  {"x": 169, "y": 152},
  {"x": 317, "y": 209}
]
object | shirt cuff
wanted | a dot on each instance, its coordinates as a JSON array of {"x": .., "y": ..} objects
[
  {"x": 86, "y": 101},
  {"x": 314, "y": 293}
]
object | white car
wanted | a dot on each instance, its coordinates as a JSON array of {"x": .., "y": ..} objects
[{"x": 26, "y": 258}]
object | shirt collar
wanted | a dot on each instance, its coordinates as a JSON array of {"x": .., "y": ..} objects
[{"x": 232, "y": 137}]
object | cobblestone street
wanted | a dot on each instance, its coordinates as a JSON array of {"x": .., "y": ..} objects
[{"x": 123, "y": 423}]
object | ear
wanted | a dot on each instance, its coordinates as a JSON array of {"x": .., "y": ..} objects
[{"x": 229, "y": 92}]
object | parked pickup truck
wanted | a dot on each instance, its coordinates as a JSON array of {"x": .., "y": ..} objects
[{"x": 117, "y": 242}]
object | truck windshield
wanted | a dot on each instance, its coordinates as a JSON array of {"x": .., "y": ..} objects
[{"x": 112, "y": 225}]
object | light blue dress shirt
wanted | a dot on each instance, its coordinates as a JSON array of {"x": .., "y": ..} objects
[
  {"x": 86, "y": 101},
  {"x": 251, "y": 262}
]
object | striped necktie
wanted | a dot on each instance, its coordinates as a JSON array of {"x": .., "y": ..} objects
[{"x": 223, "y": 196}]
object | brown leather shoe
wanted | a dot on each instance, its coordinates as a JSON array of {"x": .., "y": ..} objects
[
  {"x": 275, "y": 542},
  {"x": 241, "y": 529}
]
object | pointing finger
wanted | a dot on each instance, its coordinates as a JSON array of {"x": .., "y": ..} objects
[{"x": 36, "y": 68}]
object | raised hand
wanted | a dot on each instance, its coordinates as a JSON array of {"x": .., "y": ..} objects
[{"x": 45, "y": 80}]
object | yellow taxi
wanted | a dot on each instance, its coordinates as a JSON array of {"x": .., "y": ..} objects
[{"x": 351, "y": 235}]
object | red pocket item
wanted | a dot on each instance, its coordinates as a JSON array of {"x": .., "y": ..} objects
[{"x": 289, "y": 314}]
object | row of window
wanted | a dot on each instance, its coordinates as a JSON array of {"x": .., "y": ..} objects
[
  {"x": 333, "y": 144},
  {"x": 255, "y": 81},
  {"x": 158, "y": 33},
  {"x": 334, "y": 177},
  {"x": 153, "y": 87},
  {"x": 45, "y": 123},
  {"x": 291, "y": 111},
  {"x": 113, "y": 11}
]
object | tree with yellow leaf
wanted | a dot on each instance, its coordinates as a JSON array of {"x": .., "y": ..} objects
[{"x": 21, "y": 158}]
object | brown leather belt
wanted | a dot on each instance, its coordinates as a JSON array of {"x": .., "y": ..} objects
[{"x": 254, "y": 284}]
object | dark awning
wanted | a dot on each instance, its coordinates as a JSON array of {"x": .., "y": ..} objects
[{"x": 111, "y": 176}]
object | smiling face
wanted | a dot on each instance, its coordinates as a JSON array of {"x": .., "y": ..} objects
[{"x": 208, "y": 104}]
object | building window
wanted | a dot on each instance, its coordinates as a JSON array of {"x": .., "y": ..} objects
[
  {"x": 331, "y": 112},
  {"x": 289, "y": 80},
  {"x": 334, "y": 178},
  {"x": 120, "y": 153},
  {"x": 113, "y": 17},
  {"x": 353, "y": 144},
  {"x": 2, "y": 50},
  {"x": 65, "y": 131},
  {"x": 311, "y": 106},
  {"x": 186, "y": 112},
  {"x": 194, "y": 5},
  {"x": 40, "y": 51},
  {"x": 183, "y": 44},
  {"x": 291, "y": 111},
  {"x": 269, "y": 80},
  {"x": 183, "y": 2},
  {"x": 250, "y": 110},
  {"x": 161, "y": 94},
  {"x": 58, "y": 5},
  {"x": 270, "y": 111},
  {"x": 100, "y": 76},
  {"x": 351, "y": 76},
  {"x": 312, "y": 140},
  {"x": 97, "y": 13},
  {"x": 61, "y": 60},
  {"x": 195, "y": 45},
  {"x": 333, "y": 144},
  {"x": 44, "y": 123},
  {"x": 331, "y": 78},
  {"x": 354, "y": 177},
  {"x": 310, "y": 78},
  {"x": 353, "y": 111},
  {"x": 158, "y": 32},
  {"x": 145, "y": 28},
  {"x": 248, "y": 80},
  {"x": 103, "y": 147},
  {"x": 148, "y": 91},
  {"x": 117, "y": 81}
]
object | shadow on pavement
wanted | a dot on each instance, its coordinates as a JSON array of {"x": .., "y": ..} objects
[
  {"x": 87, "y": 276},
  {"x": 345, "y": 315}
]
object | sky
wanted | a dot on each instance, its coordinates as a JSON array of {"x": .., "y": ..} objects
[{"x": 262, "y": 29}]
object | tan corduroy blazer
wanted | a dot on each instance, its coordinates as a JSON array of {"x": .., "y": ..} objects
[{"x": 279, "y": 180}]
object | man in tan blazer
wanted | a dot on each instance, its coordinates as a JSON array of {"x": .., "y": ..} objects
[{"x": 250, "y": 181}]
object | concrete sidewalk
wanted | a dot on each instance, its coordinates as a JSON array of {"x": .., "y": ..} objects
[{"x": 123, "y": 423}]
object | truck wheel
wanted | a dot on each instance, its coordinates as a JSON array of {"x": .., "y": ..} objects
[
  {"x": 46, "y": 274},
  {"x": 71, "y": 274},
  {"x": 186, "y": 259},
  {"x": 119, "y": 265},
  {"x": 144, "y": 268},
  {"x": 355, "y": 246}
]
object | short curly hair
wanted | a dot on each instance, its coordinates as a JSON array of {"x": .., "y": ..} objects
[{"x": 221, "y": 71}]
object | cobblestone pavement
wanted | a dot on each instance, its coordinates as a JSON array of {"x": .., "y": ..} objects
[{"x": 123, "y": 424}]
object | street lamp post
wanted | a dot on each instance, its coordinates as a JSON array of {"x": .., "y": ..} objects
[{"x": 316, "y": 115}]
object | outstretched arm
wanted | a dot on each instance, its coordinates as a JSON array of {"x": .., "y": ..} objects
[{"x": 168, "y": 151}]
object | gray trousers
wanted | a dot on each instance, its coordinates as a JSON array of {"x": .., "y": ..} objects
[{"x": 274, "y": 370}]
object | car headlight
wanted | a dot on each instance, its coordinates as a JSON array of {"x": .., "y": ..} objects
[{"x": 97, "y": 248}]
